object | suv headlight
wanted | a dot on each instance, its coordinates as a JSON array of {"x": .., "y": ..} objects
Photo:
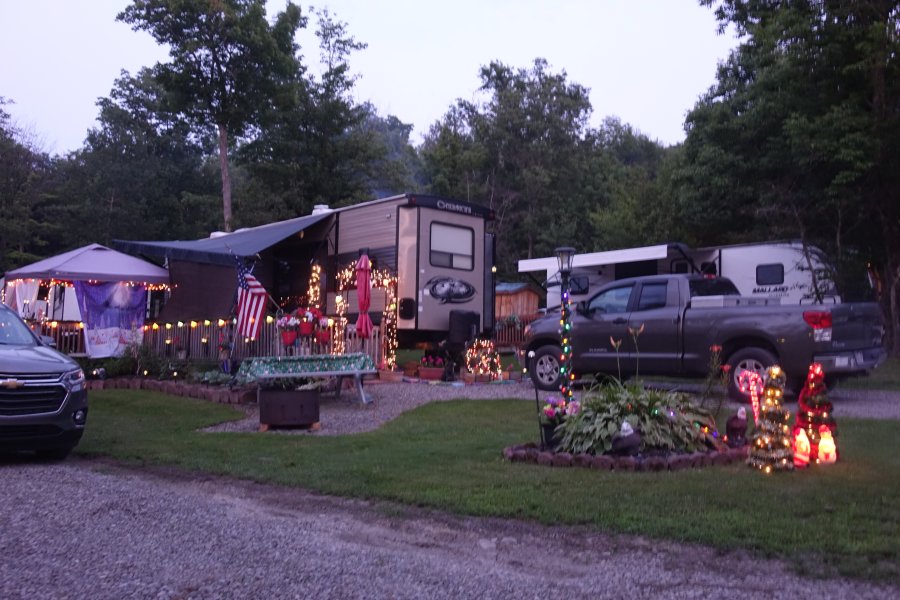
[{"x": 73, "y": 380}]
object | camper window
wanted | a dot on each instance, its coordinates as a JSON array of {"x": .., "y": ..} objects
[
  {"x": 770, "y": 274},
  {"x": 452, "y": 246}
]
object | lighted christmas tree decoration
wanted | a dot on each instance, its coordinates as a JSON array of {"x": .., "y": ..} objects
[
  {"x": 770, "y": 447},
  {"x": 482, "y": 358},
  {"x": 815, "y": 414}
]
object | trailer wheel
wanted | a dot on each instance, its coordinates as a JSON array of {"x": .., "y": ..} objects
[
  {"x": 757, "y": 360},
  {"x": 545, "y": 371}
]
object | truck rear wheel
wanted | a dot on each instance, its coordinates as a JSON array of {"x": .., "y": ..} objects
[
  {"x": 545, "y": 371},
  {"x": 747, "y": 359}
]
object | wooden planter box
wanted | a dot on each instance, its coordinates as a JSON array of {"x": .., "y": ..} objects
[
  {"x": 431, "y": 373},
  {"x": 288, "y": 408}
]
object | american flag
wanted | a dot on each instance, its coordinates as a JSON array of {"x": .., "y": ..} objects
[{"x": 251, "y": 303}]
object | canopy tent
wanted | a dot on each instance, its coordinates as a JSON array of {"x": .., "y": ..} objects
[
  {"x": 222, "y": 249},
  {"x": 92, "y": 263},
  {"x": 109, "y": 294}
]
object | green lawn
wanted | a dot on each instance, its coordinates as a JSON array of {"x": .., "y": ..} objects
[
  {"x": 842, "y": 519},
  {"x": 885, "y": 377}
]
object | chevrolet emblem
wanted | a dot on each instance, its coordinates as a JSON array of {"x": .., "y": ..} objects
[{"x": 12, "y": 384}]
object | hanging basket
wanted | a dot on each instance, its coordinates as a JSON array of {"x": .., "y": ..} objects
[
  {"x": 306, "y": 328},
  {"x": 288, "y": 337}
]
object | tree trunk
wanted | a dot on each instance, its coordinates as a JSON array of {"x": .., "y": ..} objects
[{"x": 226, "y": 177}]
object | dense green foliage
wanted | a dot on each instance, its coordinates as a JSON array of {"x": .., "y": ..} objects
[
  {"x": 844, "y": 518},
  {"x": 799, "y": 138},
  {"x": 667, "y": 421}
]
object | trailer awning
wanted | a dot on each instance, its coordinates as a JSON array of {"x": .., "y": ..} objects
[
  {"x": 597, "y": 259},
  {"x": 222, "y": 249}
]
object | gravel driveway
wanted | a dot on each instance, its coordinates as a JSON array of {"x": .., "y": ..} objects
[{"x": 93, "y": 529}]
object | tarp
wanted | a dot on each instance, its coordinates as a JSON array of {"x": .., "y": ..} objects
[
  {"x": 92, "y": 263},
  {"x": 113, "y": 314},
  {"x": 223, "y": 248}
]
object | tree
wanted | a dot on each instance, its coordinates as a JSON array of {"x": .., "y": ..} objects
[
  {"x": 802, "y": 133},
  {"x": 142, "y": 169},
  {"x": 23, "y": 173},
  {"x": 320, "y": 147},
  {"x": 520, "y": 152},
  {"x": 228, "y": 64}
]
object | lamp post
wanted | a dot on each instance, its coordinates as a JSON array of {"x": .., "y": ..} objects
[{"x": 565, "y": 255}]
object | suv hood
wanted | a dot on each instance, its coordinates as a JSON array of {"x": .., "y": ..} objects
[{"x": 33, "y": 360}]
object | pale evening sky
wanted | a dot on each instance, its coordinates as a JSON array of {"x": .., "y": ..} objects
[{"x": 644, "y": 61}]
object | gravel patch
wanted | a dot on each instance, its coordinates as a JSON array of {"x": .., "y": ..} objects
[
  {"x": 345, "y": 415},
  {"x": 87, "y": 529}
]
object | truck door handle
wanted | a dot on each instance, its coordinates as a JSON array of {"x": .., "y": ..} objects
[{"x": 619, "y": 321}]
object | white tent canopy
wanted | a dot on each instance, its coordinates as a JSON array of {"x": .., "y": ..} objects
[
  {"x": 88, "y": 263},
  {"x": 92, "y": 263}
]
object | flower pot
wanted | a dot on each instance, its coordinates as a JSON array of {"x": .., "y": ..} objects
[
  {"x": 468, "y": 377},
  {"x": 323, "y": 337},
  {"x": 550, "y": 441},
  {"x": 306, "y": 328},
  {"x": 431, "y": 373},
  {"x": 483, "y": 377},
  {"x": 288, "y": 337}
]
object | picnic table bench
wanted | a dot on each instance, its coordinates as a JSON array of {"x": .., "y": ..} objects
[{"x": 261, "y": 369}]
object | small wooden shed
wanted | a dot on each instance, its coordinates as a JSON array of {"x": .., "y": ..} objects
[{"x": 515, "y": 299}]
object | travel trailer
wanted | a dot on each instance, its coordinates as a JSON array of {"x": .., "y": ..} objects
[
  {"x": 439, "y": 249},
  {"x": 779, "y": 271}
]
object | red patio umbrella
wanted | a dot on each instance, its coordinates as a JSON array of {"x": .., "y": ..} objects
[{"x": 364, "y": 296}]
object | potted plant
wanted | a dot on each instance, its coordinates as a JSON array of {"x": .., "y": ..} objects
[
  {"x": 431, "y": 367},
  {"x": 553, "y": 414},
  {"x": 287, "y": 326},
  {"x": 283, "y": 403}
]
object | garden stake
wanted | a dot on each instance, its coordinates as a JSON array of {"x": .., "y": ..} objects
[{"x": 537, "y": 402}]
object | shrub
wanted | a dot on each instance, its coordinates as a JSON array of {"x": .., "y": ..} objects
[{"x": 667, "y": 421}]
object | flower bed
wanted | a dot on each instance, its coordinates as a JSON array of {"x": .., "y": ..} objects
[{"x": 673, "y": 462}]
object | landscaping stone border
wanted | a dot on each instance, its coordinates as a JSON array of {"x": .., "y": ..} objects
[
  {"x": 532, "y": 453},
  {"x": 212, "y": 393}
]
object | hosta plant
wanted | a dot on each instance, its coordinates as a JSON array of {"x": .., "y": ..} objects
[{"x": 667, "y": 421}]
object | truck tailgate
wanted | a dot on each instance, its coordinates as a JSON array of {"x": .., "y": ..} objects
[{"x": 856, "y": 326}]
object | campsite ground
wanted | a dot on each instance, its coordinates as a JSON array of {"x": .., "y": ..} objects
[
  {"x": 91, "y": 528},
  {"x": 95, "y": 528}
]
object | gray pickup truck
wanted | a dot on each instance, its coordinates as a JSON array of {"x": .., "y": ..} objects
[{"x": 684, "y": 316}]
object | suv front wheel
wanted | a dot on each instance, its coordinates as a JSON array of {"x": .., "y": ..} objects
[{"x": 545, "y": 371}]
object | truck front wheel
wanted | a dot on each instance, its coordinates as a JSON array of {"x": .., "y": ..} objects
[
  {"x": 747, "y": 359},
  {"x": 545, "y": 371}
]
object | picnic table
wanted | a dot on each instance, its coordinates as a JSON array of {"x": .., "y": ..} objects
[{"x": 261, "y": 369}]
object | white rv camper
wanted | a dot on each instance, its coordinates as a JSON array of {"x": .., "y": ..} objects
[{"x": 779, "y": 270}]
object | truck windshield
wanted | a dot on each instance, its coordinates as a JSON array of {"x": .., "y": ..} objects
[{"x": 713, "y": 287}]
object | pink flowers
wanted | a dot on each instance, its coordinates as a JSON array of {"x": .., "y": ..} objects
[
  {"x": 432, "y": 361},
  {"x": 557, "y": 409}
]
